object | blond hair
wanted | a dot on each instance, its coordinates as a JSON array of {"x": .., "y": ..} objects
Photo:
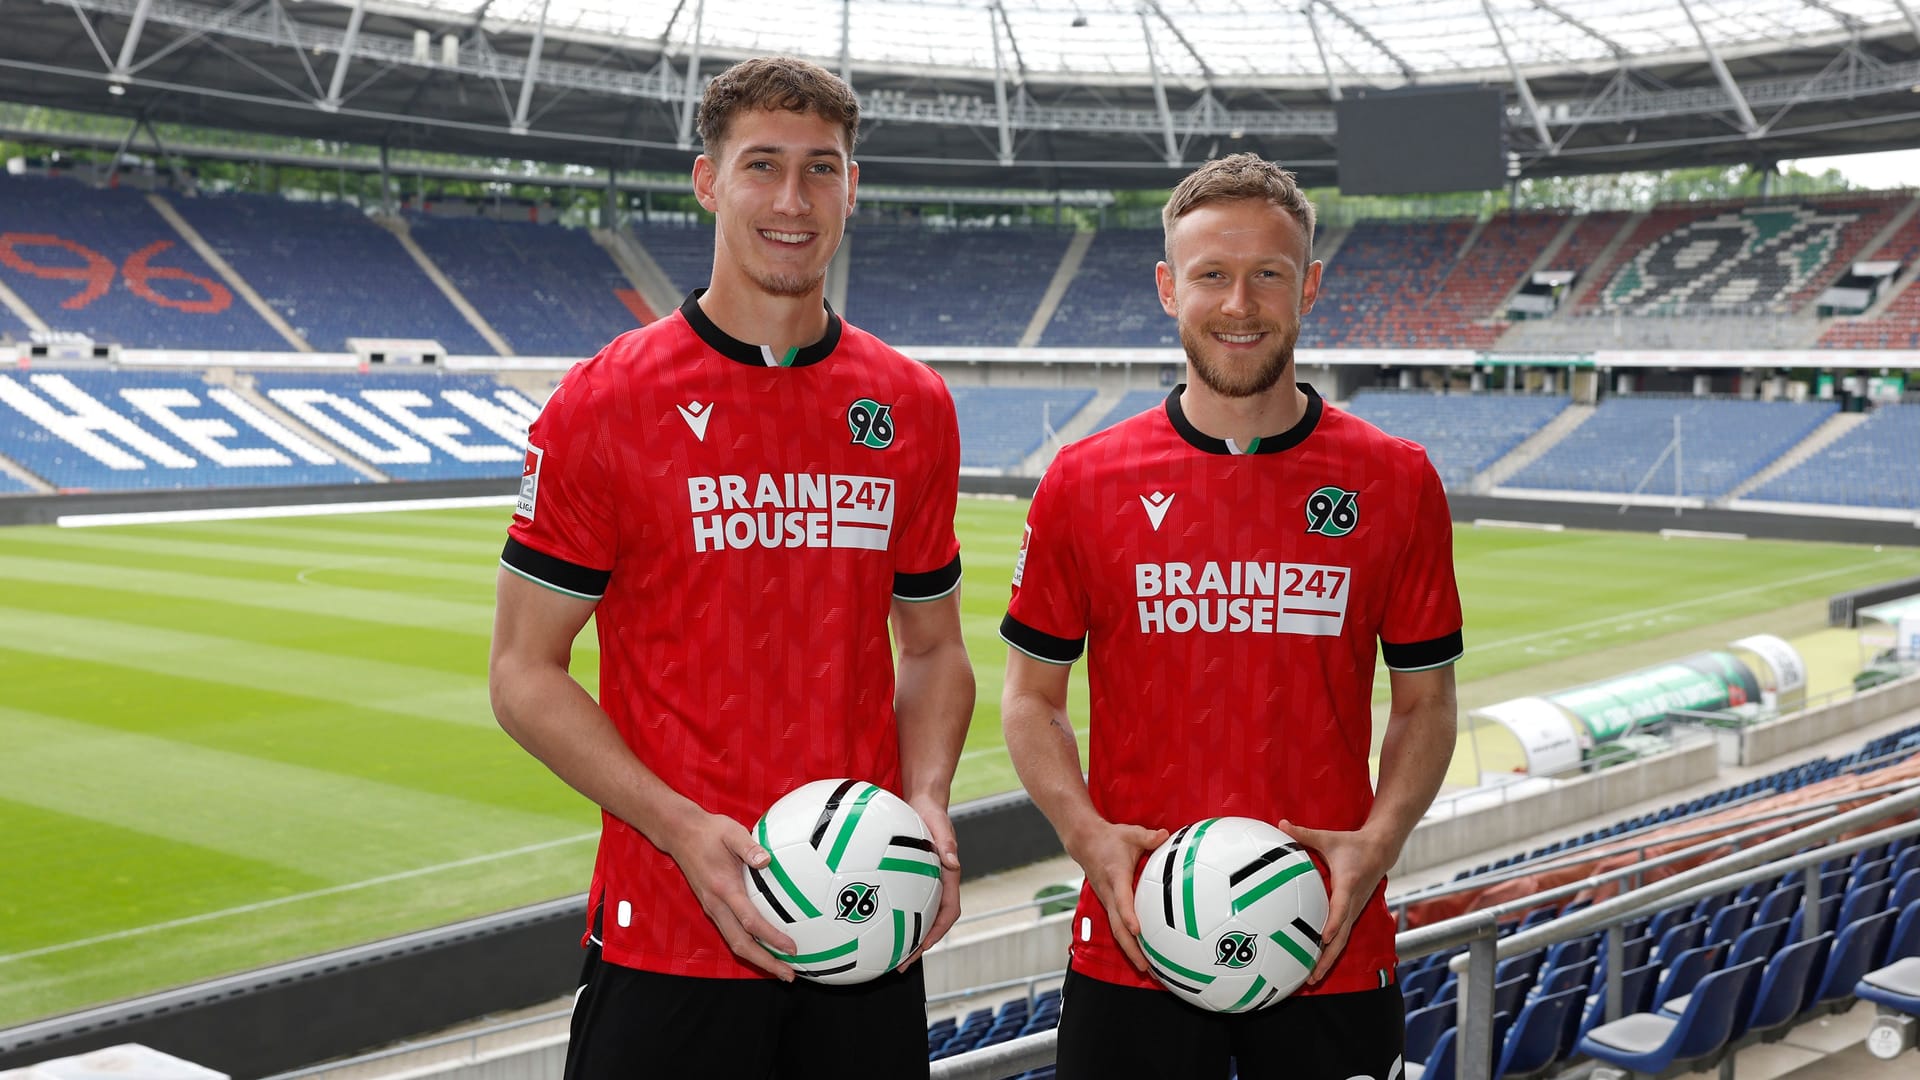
[
  {"x": 775, "y": 83},
  {"x": 1241, "y": 176}
]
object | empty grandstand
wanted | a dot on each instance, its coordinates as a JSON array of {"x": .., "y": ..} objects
[{"x": 205, "y": 702}]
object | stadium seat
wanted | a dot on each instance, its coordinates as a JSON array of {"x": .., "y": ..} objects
[
  {"x": 1533, "y": 1046},
  {"x": 1786, "y": 988},
  {"x": 1650, "y": 1043},
  {"x": 1857, "y": 950}
]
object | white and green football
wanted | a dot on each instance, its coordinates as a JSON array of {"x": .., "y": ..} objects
[
  {"x": 1230, "y": 913},
  {"x": 854, "y": 879}
]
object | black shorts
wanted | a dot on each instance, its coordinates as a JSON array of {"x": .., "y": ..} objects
[
  {"x": 1108, "y": 1030},
  {"x": 630, "y": 1024}
]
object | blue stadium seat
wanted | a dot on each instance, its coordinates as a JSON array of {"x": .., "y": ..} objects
[
  {"x": 1462, "y": 433},
  {"x": 330, "y": 271},
  {"x": 548, "y": 290},
  {"x": 986, "y": 287},
  {"x": 1112, "y": 302},
  {"x": 1860, "y": 468},
  {"x": 427, "y": 425},
  {"x": 1723, "y": 442},
  {"x": 1001, "y": 426},
  {"x": 1534, "y": 1044},
  {"x": 1651, "y": 1043},
  {"x": 143, "y": 287},
  {"x": 98, "y": 430}
]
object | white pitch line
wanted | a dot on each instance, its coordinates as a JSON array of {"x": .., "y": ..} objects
[
  {"x": 1628, "y": 616},
  {"x": 238, "y": 513},
  {"x": 208, "y": 916}
]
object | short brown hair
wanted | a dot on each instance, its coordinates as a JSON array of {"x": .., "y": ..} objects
[
  {"x": 775, "y": 82},
  {"x": 1241, "y": 176}
]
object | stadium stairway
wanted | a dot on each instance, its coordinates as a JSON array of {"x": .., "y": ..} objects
[
  {"x": 1830, "y": 430},
  {"x": 21, "y": 310},
  {"x": 1531, "y": 448},
  {"x": 14, "y": 478},
  {"x": 403, "y": 232},
  {"x": 1076, "y": 254},
  {"x": 648, "y": 279},
  {"x": 1081, "y": 424},
  {"x": 1543, "y": 262},
  {"x": 244, "y": 386},
  {"x": 1591, "y": 276},
  {"x": 240, "y": 286}
]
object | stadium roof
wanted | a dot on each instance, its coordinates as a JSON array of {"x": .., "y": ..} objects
[{"x": 999, "y": 93}]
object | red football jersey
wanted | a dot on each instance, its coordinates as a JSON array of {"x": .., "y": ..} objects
[
  {"x": 1230, "y": 603},
  {"x": 745, "y": 521}
]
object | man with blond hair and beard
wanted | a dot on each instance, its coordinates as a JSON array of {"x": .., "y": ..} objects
[
  {"x": 687, "y": 488},
  {"x": 1232, "y": 563}
]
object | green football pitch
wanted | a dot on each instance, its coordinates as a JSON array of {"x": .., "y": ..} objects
[{"x": 230, "y": 743}]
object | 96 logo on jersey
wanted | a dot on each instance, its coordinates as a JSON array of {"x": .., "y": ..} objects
[
  {"x": 1242, "y": 597},
  {"x": 790, "y": 510}
]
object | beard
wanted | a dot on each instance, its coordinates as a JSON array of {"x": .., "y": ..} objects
[
  {"x": 785, "y": 285},
  {"x": 1242, "y": 378}
]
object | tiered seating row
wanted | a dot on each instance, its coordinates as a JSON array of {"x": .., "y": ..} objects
[
  {"x": 684, "y": 252},
  {"x": 1463, "y": 433},
  {"x": 1112, "y": 302},
  {"x": 1723, "y": 442},
  {"x": 1000, "y": 426},
  {"x": 953, "y": 287},
  {"x": 122, "y": 430},
  {"x": 548, "y": 291},
  {"x": 330, "y": 271},
  {"x": 105, "y": 264},
  {"x": 1872, "y": 465},
  {"x": 1369, "y": 295}
]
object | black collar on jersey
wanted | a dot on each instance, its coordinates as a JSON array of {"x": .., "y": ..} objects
[
  {"x": 758, "y": 355},
  {"x": 1265, "y": 444}
]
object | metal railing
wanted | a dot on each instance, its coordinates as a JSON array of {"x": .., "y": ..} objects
[{"x": 1478, "y": 931}]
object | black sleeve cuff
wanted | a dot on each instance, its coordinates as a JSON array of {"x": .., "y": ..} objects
[
  {"x": 931, "y": 585},
  {"x": 1040, "y": 645},
  {"x": 1422, "y": 655},
  {"x": 556, "y": 574}
]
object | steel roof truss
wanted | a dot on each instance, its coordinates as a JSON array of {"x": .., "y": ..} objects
[
  {"x": 1159, "y": 90},
  {"x": 1912, "y": 19},
  {"x": 532, "y": 73},
  {"x": 690, "y": 91},
  {"x": 86, "y": 24},
  {"x": 286, "y": 25},
  {"x": 346, "y": 54},
  {"x": 1734, "y": 97},
  {"x": 1520, "y": 84},
  {"x": 1367, "y": 35},
  {"x": 1619, "y": 51},
  {"x": 1320, "y": 46},
  {"x": 994, "y": 17},
  {"x": 131, "y": 44}
]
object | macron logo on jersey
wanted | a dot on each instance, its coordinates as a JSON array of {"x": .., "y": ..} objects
[
  {"x": 1242, "y": 597},
  {"x": 790, "y": 510},
  {"x": 1156, "y": 505},
  {"x": 696, "y": 414}
]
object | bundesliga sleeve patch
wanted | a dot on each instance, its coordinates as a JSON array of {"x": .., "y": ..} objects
[{"x": 529, "y": 483}]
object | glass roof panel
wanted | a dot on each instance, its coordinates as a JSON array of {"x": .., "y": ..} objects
[{"x": 1366, "y": 40}]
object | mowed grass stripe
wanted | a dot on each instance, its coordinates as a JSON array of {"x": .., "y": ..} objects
[
  {"x": 170, "y": 956},
  {"x": 316, "y": 824},
  {"x": 174, "y": 552},
  {"x": 469, "y": 762},
  {"x": 95, "y": 893},
  {"x": 374, "y": 685},
  {"x": 279, "y": 593},
  {"x": 461, "y": 653}
]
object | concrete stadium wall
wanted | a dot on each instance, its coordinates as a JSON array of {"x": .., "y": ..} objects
[
  {"x": 1764, "y": 742},
  {"x": 999, "y": 955},
  {"x": 1437, "y": 841}
]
